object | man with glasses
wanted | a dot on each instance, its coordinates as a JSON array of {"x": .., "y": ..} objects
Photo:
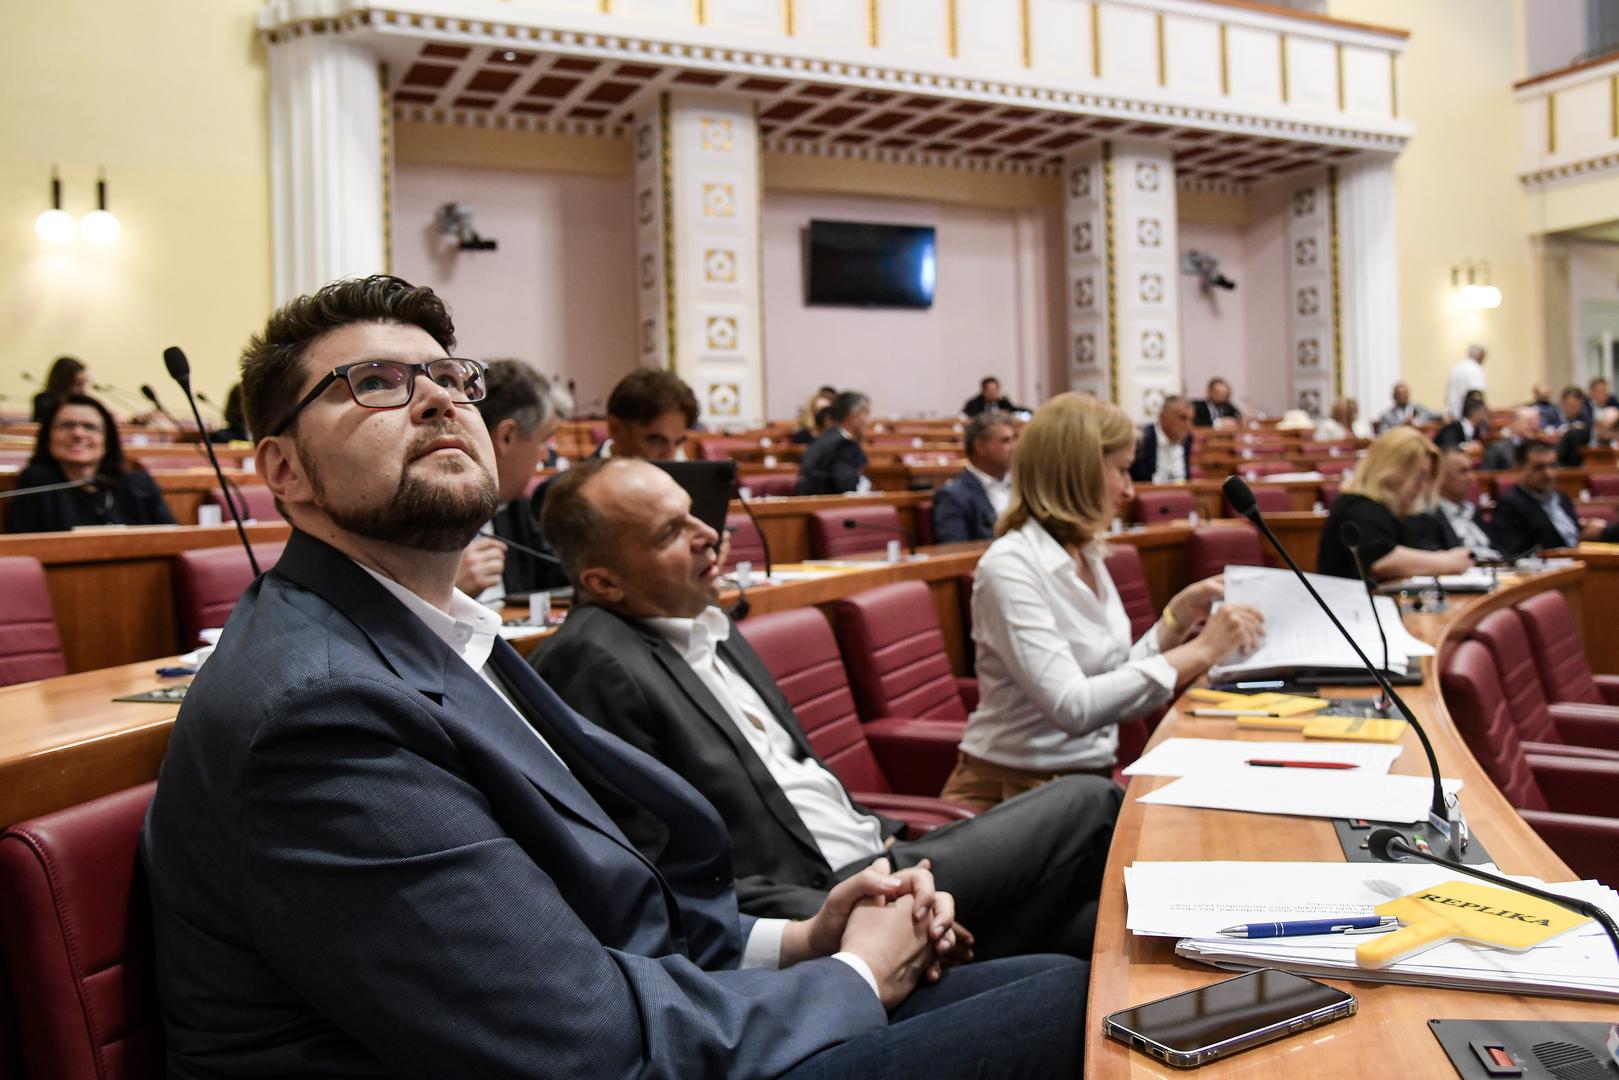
[{"x": 371, "y": 850}]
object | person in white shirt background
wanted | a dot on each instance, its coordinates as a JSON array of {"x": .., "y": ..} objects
[
  {"x": 1468, "y": 374},
  {"x": 1057, "y": 671},
  {"x": 1163, "y": 453}
]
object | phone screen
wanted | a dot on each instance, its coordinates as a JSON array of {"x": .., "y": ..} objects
[{"x": 1223, "y": 1011}]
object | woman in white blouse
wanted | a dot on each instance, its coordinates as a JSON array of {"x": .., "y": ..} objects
[{"x": 1056, "y": 669}]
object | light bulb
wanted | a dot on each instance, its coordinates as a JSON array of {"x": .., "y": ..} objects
[
  {"x": 100, "y": 227},
  {"x": 55, "y": 226},
  {"x": 1488, "y": 296}
]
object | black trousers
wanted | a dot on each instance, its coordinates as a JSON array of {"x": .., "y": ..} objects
[{"x": 1025, "y": 875}]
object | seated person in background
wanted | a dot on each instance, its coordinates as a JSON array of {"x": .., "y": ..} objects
[
  {"x": 518, "y": 414},
  {"x": 1343, "y": 423},
  {"x": 235, "y": 429},
  {"x": 67, "y": 376},
  {"x": 967, "y": 506},
  {"x": 1540, "y": 399},
  {"x": 1056, "y": 669},
  {"x": 812, "y": 418},
  {"x": 1571, "y": 404},
  {"x": 1470, "y": 429},
  {"x": 1216, "y": 406},
  {"x": 1404, "y": 410},
  {"x": 835, "y": 463},
  {"x": 1571, "y": 445},
  {"x": 1534, "y": 514},
  {"x": 370, "y": 854},
  {"x": 78, "y": 441},
  {"x": 1599, "y": 396},
  {"x": 649, "y": 657},
  {"x": 1454, "y": 522},
  {"x": 989, "y": 399},
  {"x": 1164, "y": 450},
  {"x": 1503, "y": 452},
  {"x": 1393, "y": 480}
]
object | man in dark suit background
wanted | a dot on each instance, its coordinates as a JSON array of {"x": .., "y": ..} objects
[
  {"x": 835, "y": 463},
  {"x": 1534, "y": 513},
  {"x": 370, "y": 852},
  {"x": 1164, "y": 450},
  {"x": 1216, "y": 405},
  {"x": 1472, "y": 426},
  {"x": 1503, "y": 452},
  {"x": 989, "y": 399},
  {"x": 969, "y": 504},
  {"x": 1454, "y": 522},
  {"x": 649, "y": 657}
]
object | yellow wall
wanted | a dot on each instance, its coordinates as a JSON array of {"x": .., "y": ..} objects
[
  {"x": 1457, "y": 190},
  {"x": 171, "y": 98}
]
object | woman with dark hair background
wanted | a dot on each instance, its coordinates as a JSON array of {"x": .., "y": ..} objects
[
  {"x": 67, "y": 376},
  {"x": 78, "y": 440},
  {"x": 235, "y": 429}
]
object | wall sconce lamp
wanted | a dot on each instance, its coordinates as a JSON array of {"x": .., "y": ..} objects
[
  {"x": 101, "y": 226},
  {"x": 1471, "y": 280},
  {"x": 55, "y": 226}
]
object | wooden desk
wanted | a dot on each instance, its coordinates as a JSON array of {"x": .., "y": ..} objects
[{"x": 1389, "y": 1037}]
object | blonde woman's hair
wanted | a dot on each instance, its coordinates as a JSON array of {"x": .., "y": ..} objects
[
  {"x": 1057, "y": 473},
  {"x": 1392, "y": 457},
  {"x": 806, "y": 415}
]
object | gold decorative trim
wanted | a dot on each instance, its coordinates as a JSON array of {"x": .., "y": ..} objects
[
  {"x": 387, "y": 169},
  {"x": 872, "y": 22},
  {"x": 666, "y": 140},
  {"x": 1551, "y": 122},
  {"x": 701, "y": 11},
  {"x": 1281, "y": 40},
  {"x": 1225, "y": 64},
  {"x": 1340, "y": 48},
  {"x": 758, "y": 287},
  {"x": 1337, "y": 284},
  {"x": 607, "y": 7},
  {"x": 1096, "y": 38},
  {"x": 1163, "y": 58},
  {"x": 1613, "y": 106},
  {"x": 1394, "y": 90},
  {"x": 1026, "y": 30},
  {"x": 789, "y": 17},
  {"x": 952, "y": 29},
  {"x": 1112, "y": 275}
]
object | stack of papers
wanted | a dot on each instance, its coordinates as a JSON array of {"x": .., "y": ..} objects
[
  {"x": 1350, "y": 793},
  {"x": 1182, "y": 757},
  {"x": 1194, "y": 901},
  {"x": 1477, "y": 579}
]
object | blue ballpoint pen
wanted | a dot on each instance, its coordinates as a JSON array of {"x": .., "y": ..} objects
[{"x": 1364, "y": 924}]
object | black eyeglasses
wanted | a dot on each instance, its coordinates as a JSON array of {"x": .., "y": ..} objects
[{"x": 390, "y": 384}]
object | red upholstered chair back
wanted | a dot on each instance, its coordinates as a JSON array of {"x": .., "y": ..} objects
[
  {"x": 1477, "y": 705},
  {"x": 922, "y": 518},
  {"x": 1502, "y": 633},
  {"x": 1211, "y": 549},
  {"x": 30, "y": 647},
  {"x": 76, "y": 933},
  {"x": 1565, "y": 673},
  {"x": 746, "y": 543},
  {"x": 896, "y": 654},
  {"x": 1329, "y": 492},
  {"x": 1251, "y": 469},
  {"x": 1603, "y": 483},
  {"x": 253, "y": 501},
  {"x": 1270, "y": 499},
  {"x": 721, "y": 449},
  {"x": 1164, "y": 504},
  {"x": 1124, "y": 567},
  {"x": 760, "y": 485},
  {"x": 799, "y": 651},
  {"x": 874, "y": 527},
  {"x": 209, "y": 581}
]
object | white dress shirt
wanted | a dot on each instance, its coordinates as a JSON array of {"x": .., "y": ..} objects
[
  {"x": 1056, "y": 669},
  {"x": 863, "y": 484},
  {"x": 999, "y": 491},
  {"x": 1171, "y": 466},
  {"x": 1464, "y": 523},
  {"x": 1468, "y": 374}
]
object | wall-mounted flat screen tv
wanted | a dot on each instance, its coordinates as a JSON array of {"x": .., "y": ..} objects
[{"x": 855, "y": 263}]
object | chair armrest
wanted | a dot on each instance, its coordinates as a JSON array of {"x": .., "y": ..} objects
[
  {"x": 1608, "y": 687},
  {"x": 1575, "y": 785},
  {"x": 968, "y": 688},
  {"x": 920, "y": 813},
  {"x": 1569, "y": 750},
  {"x": 1586, "y": 725},
  {"x": 916, "y": 755},
  {"x": 1590, "y": 845}
]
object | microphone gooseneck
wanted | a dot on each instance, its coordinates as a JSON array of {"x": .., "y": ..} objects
[
  {"x": 1444, "y": 813},
  {"x": 1388, "y": 845},
  {"x": 180, "y": 370},
  {"x": 898, "y": 534},
  {"x": 764, "y": 541},
  {"x": 1349, "y": 533},
  {"x": 61, "y": 485}
]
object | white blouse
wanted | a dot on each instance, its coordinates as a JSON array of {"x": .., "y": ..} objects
[{"x": 1056, "y": 669}]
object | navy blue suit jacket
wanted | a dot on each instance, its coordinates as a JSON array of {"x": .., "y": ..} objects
[
  {"x": 363, "y": 862},
  {"x": 831, "y": 465},
  {"x": 961, "y": 511},
  {"x": 1146, "y": 462}
]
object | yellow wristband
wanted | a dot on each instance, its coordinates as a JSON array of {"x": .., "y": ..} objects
[{"x": 1170, "y": 621}]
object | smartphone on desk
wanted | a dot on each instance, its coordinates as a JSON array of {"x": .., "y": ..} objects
[{"x": 1224, "y": 1018}]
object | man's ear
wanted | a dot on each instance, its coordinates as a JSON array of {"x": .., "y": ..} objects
[
  {"x": 282, "y": 470},
  {"x": 602, "y": 584},
  {"x": 503, "y": 434}
]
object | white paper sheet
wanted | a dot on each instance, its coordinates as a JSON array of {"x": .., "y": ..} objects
[
  {"x": 1180, "y": 757},
  {"x": 1304, "y": 793}
]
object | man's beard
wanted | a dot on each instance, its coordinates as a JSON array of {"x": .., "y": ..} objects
[{"x": 422, "y": 516}]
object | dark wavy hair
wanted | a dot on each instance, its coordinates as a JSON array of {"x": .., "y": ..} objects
[
  {"x": 64, "y": 372},
  {"x": 113, "y": 464},
  {"x": 272, "y": 363}
]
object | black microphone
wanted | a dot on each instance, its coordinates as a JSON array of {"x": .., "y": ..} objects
[
  {"x": 151, "y": 395},
  {"x": 526, "y": 550},
  {"x": 61, "y": 485},
  {"x": 1445, "y": 812},
  {"x": 1349, "y": 533},
  {"x": 764, "y": 541},
  {"x": 215, "y": 409},
  {"x": 898, "y": 534},
  {"x": 1388, "y": 845},
  {"x": 180, "y": 371}
]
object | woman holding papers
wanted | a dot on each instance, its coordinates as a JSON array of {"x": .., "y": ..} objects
[
  {"x": 1395, "y": 479},
  {"x": 78, "y": 443},
  {"x": 1056, "y": 668}
]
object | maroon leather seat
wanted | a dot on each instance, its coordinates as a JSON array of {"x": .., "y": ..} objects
[
  {"x": 746, "y": 543},
  {"x": 874, "y": 527},
  {"x": 1269, "y": 498},
  {"x": 1124, "y": 567},
  {"x": 760, "y": 485},
  {"x": 1329, "y": 492},
  {"x": 209, "y": 581},
  {"x": 1583, "y": 730},
  {"x": 76, "y": 933},
  {"x": 922, "y": 518},
  {"x": 891, "y": 640},
  {"x": 1209, "y": 550},
  {"x": 1559, "y": 653},
  {"x": 1603, "y": 483},
  {"x": 874, "y": 760},
  {"x": 1162, "y": 504},
  {"x": 254, "y": 501},
  {"x": 30, "y": 646},
  {"x": 1564, "y": 799}
]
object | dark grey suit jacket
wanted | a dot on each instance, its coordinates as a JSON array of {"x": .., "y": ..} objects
[
  {"x": 363, "y": 862},
  {"x": 628, "y": 678},
  {"x": 1146, "y": 459},
  {"x": 962, "y": 511},
  {"x": 831, "y": 465}
]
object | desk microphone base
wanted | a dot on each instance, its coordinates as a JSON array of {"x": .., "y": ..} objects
[
  {"x": 1525, "y": 1049},
  {"x": 1352, "y": 838}
]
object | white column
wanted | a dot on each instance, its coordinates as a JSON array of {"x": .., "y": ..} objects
[
  {"x": 1146, "y": 276},
  {"x": 1369, "y": 271},
  {"x": 1312, "y": 348},
  {"x": 1086, "y": 236},
  {"x": 326, "y": 162},
  {"x": 697, "y": 250}
]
